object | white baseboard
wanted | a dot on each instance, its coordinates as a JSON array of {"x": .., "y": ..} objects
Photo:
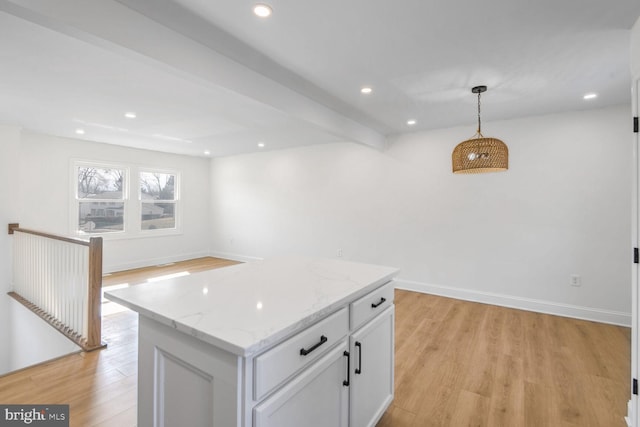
[
  {"x": 154, "y": 261},
  {"x": 234, "y": 257},
  {"x": 529, "y": 304}
]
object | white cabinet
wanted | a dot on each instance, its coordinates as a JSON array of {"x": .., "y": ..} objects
[
  {"x": 318, "y": 397},
  {"x": 372, "y": 370},
  {"x": 324, "y": 394}
]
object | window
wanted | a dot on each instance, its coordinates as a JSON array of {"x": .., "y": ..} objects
[
  {"x": 158, "y": 200},
  {"x": 101, "y": 202},
  {"x": 100, "y": 199}
]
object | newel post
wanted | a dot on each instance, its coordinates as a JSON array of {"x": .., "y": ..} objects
[{"x": 94, "y": 338}]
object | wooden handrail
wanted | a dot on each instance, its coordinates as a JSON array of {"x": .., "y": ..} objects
[
  {"x": 84, "y": 242},
  {"x": 93, "y": 340}
]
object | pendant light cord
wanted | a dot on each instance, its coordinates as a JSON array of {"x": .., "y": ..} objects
[{"x": 479, "y": 123}]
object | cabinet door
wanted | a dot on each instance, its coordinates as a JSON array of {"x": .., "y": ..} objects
[
  {"x": 372, "y": 370},
  {"x": 318, "y": 397}
]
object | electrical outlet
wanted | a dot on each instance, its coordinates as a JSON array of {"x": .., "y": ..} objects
[
  {"x": 339, "y": 253},
  {"x": 575, "y": 280}
]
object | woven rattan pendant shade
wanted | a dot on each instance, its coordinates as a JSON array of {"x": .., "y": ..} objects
[{"x": 480, "y": 154}]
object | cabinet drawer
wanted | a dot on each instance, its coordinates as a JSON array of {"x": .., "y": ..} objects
[
  {"x": 276, "y": 365},
  {"x": 371, "y": 304}
]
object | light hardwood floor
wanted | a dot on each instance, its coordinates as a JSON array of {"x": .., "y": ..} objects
[
  {"x": 467, "y": 364},
  {"x": 140, "y": 275},
  {"x": 457, "y": 364}
]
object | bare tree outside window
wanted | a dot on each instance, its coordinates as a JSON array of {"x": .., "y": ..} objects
[{"x": 95, "y": 181}]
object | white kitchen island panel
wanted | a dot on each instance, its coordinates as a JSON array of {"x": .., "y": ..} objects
[{"x": 183, "y": 381}]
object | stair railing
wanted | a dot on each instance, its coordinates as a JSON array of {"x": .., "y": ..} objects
[{"x": 60, "y": 279}]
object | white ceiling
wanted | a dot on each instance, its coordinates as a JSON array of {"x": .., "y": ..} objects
[{"x": 210, "y": 75}]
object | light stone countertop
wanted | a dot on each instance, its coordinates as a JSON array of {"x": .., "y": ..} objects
[{"x": 249, "y": 307}]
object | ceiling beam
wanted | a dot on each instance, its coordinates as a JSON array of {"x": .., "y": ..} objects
[{"x": 114, "y": 26}]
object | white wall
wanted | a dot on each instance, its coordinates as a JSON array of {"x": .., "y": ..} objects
[
  {"x": 9, "y": 155},
  {"x": 45, "y": 188},
  {"x": 32, "y": 340},
  {"x": 511, "y": 238}
]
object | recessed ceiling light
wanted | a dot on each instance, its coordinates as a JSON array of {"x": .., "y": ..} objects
[
  {"x": 80, "y": 131},
  {"x": 366, "y": 90},
  {"x": 411, "y": 122},
  {"x": 207, "y": 152},
  {"x": 590, "y": 96},
  {"x": 260, "y": 144},
  {"x": 262, "y": 10},
  {"x": 130, "y": 115}
]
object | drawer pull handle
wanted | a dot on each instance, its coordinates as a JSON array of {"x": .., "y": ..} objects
[
  {"x": 382, "y": 300},
  {"x": 346, "y": 382},
  {"x": 305, "y": 351},
  {"x": 359, "y": 368}
]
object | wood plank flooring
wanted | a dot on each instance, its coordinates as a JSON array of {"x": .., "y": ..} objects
[
  {"x": 140, "y": 275},
  {"x": 99, "y": 386},
  {"x": 466, "y": 364},
  {"x": 457, "y": 364}
]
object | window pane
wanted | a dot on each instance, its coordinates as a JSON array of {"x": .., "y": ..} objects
[
  {"x": 156, "y": 215},
  {"x": 157, "y": 186},
  {"x": 102, "y": 183},
  {"x": 101, "y": 217}
]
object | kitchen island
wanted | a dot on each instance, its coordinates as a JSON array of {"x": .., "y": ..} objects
[{"x": 282, "y": 342}]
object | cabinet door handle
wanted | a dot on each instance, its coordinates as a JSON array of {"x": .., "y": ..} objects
[
  {"x": 305, "y": 351},
  {"x": 346, "y": 382},
  {"x": 376, "y": 305},
  {"x": 359, "y": 368}
]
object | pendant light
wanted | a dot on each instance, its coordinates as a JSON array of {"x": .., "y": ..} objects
[{"x": 480, "y": 154}]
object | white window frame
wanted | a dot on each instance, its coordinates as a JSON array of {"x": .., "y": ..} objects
[
  {"x": 132, "y": 226},
  {"x": 76, "y": 200},
  {"x": 175, "y": 201}
]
